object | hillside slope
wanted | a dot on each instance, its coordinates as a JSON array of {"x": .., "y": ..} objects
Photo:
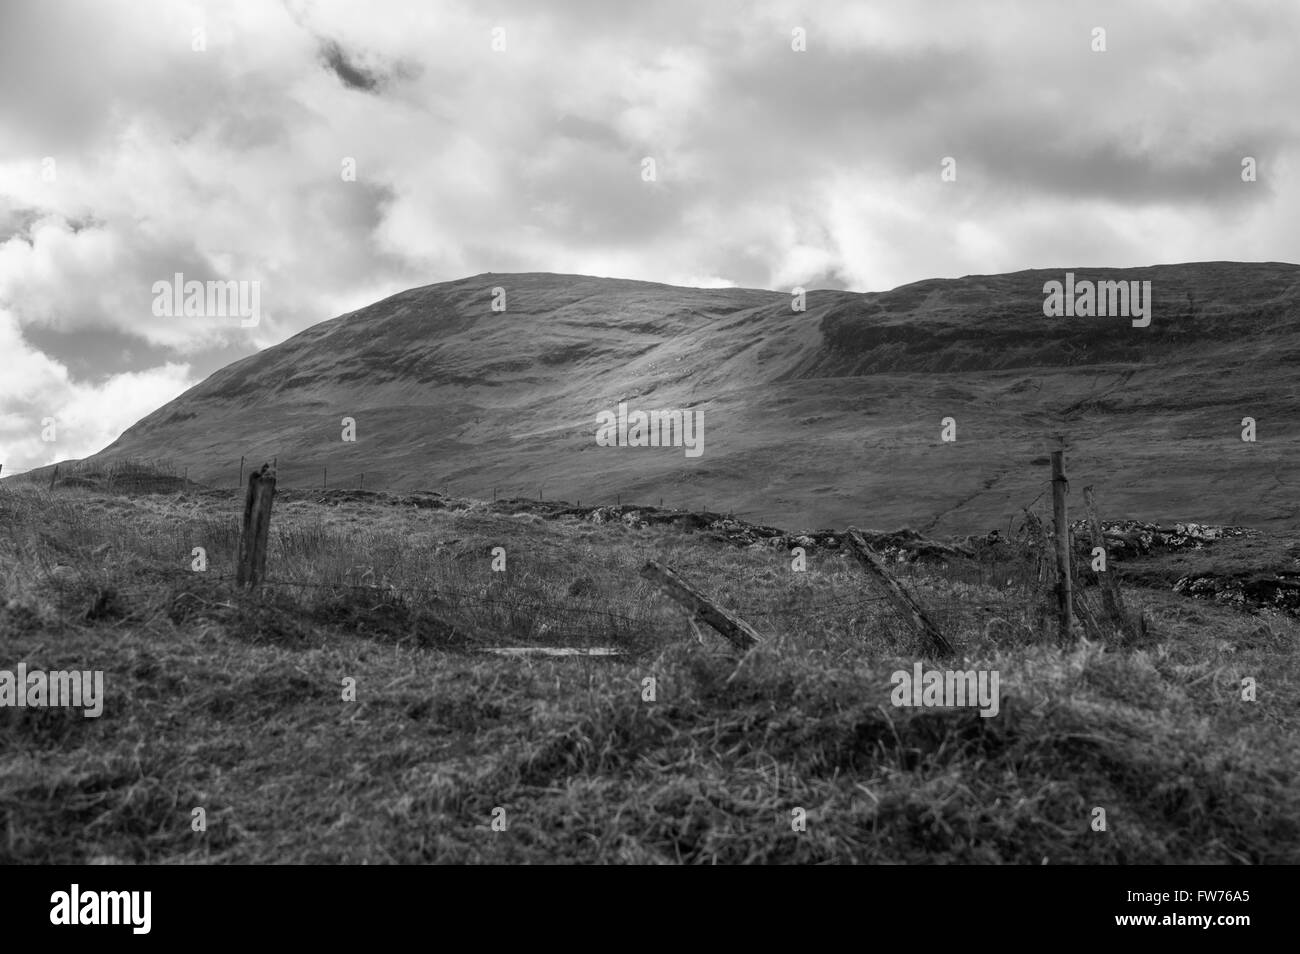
[{"x": 817, "y": 418}]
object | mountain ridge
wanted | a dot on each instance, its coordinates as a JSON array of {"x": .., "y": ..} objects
[{"x": 823, "y": 417}]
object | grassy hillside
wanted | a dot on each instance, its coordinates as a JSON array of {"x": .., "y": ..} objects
[
  {"x": 234, "y": 703},
  {"x": 823, "y": 417}
]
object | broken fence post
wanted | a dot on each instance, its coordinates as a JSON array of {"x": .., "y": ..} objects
[
  {"x": 1064, "y": 586},
  {"x": 257, "y": 525},
  {"x": 871, "y": 563},
  {"x": 1111, "y": 598},
  {"x": 736, "y": 631}
]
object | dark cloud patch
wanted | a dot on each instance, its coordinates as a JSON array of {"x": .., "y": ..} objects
[
  {"x": 811, "y": 93},
  {"x": 16, "y": 221},
  {"x": 245, "y": 130},
  {"x": 79, "y": 223},
  {"x": 93, "y": 355},
  {"x": 601, "y": 194},
  {"x": 576, "y": 127},
  {"x": 1024, "y": 154},
  {"x": 352, "y": 208},
  {"x": 348, "y": 72},
  {"x": 792, "y": 116}
]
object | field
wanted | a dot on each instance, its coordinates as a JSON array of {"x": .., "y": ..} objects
[{"x": 235, "y": 703}]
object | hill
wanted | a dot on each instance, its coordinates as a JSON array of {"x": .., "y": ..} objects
[{"x": 822, "y": 417}]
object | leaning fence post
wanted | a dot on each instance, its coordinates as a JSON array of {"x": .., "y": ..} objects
[
  {"x": 257, "y": 525},
  {"x": 54, "y": 476},
  {"x": 737, "y": 632},
  {"x": 1064, "y": 586},
  {"x": 1112, "y": 599},
  {"x": 858, "y": 547}
]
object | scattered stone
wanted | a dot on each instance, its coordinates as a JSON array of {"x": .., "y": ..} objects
[
  {"x": 1252, "y": 592},
  {"x": 1126, "y": 539}
]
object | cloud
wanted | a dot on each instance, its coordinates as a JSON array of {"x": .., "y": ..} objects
[
  {"x": 39, "y": 400},
  {"x": 774, "y": 167},
  {"x": 352, "y": 75}
]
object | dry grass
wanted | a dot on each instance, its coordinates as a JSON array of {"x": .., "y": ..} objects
[{"x": 234, "y": 703}]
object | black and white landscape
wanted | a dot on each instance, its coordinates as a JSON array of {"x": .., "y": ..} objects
[{"x": 584, "y": 432}]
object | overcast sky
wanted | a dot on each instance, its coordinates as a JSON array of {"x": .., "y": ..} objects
[{"x": 126, "y": 155}]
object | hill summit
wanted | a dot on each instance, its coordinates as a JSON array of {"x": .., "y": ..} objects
[{"x": 826, "y": 416}]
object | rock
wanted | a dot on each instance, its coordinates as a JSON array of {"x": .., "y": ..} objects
[
  {"x": 903, "y": 545},
  {"x": 1126, "y": 539},
  {"x": 1279, "y": 591}
]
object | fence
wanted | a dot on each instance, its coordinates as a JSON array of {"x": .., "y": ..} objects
[
  {"x": 127, "y": 475},
  {"x": 165, "y": 475},
  {"x": 1071, "y": 601}
]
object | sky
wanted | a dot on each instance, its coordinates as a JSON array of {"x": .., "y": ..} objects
[{"x": 330, "y": 154}]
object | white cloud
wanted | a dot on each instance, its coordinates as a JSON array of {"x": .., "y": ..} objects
[{"x": 35, "y": 388}]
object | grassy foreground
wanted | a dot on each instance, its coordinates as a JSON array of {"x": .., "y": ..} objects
[{"x": 235, "y": 704}]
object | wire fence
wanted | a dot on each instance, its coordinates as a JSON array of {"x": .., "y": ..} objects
[{"x": 1027, "y": 537}]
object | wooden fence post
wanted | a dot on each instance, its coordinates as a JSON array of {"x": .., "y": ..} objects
[
  {"x": 871, "y": 563},
  {"x": 1064, "y": 586},
  {"x": 257, "y": 525},
  {"x": 54, "y": 476},
  {"x": 1111, "y": 598},
  {"x": 241, "y": 473},
  {"x": 736, "y": 631}
]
